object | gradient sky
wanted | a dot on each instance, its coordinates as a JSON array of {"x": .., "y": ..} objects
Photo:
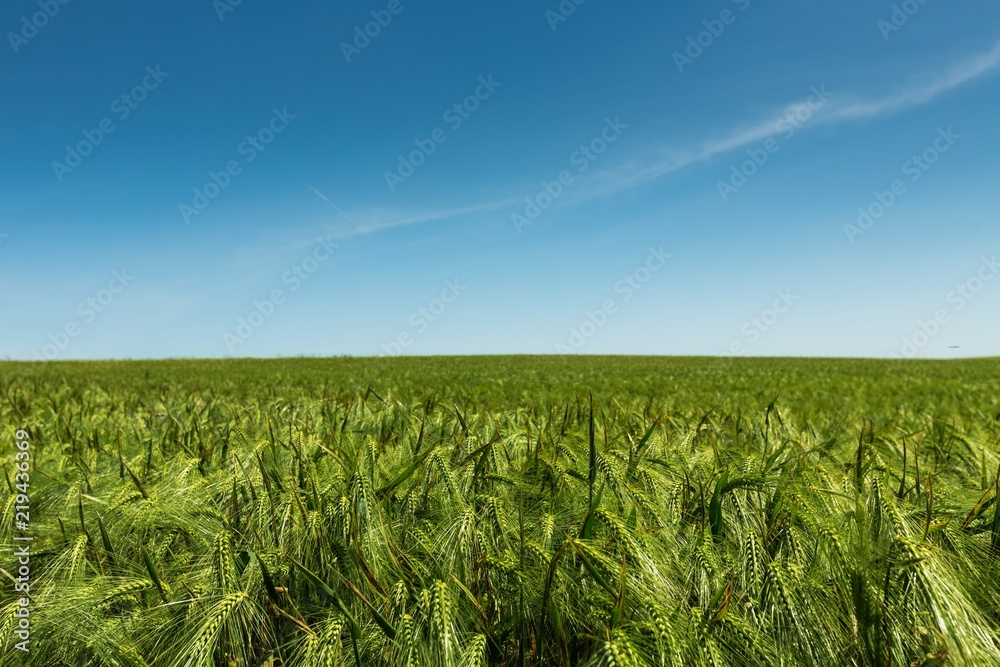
[{"x": 684, "y": 116}]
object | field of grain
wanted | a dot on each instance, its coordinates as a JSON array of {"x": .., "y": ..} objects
[{"x": 504, "y": 511}]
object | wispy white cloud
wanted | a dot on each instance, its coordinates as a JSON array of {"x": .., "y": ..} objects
[
  {"x": 842, "y": 109},
  {"x": 368, "y": 221},
  {"x": 676, "y": 159},
  {"x": 290, "y": 244},
  {"x": 920, "y": 93}
]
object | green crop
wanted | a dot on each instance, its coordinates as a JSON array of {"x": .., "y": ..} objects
[{"x": 506, "y": 511}]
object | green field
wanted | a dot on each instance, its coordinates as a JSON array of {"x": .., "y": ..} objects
[{"x": 504, "y": 511}]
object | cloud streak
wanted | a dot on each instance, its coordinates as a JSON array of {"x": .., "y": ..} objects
[
  {"x": 376, "y": 220},
  {"x": 843, "y": 109},
  {"x": 922, "y": 93},
  {"x": 608, "y": 182}
]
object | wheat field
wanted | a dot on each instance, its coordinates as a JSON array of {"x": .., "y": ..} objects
[{"x": 505, "y": 511}]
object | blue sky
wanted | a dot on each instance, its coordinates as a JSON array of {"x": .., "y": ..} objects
[{"x": 649, "y": 179}]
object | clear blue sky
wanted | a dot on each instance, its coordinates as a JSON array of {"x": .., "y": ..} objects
[{"x": 387, "y": 220}]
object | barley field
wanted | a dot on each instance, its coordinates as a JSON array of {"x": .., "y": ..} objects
[{"x": 504, "y": 511}]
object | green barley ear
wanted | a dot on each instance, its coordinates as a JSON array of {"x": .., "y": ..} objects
[
  {"x": 223, "y": 564},
  {"x": 123, "y": 591},
  {"x": 442, "y": 621},
  {"x": 475, "y": 654},
  {"x": 326, "y": 648},
  {"x": 77, "y": 558},
  {"x": 616, "y": 652},
  {"x": 405, "y": 648},
  {"x": 668, "y": 641},
  {"x": 208, "y": 634}
]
